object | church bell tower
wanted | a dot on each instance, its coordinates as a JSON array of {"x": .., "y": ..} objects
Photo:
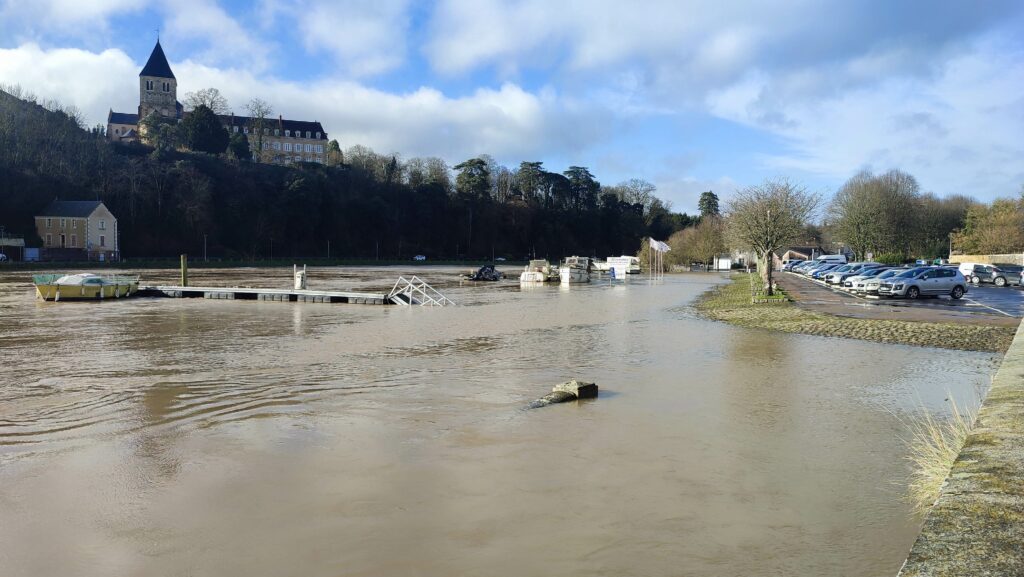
[{"x": 158, "y": 89}]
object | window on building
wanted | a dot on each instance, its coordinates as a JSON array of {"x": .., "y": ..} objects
[
  {"x": 319, "y": 149},
  {"x": 49, "y": 240},
  {"x": 49, "y": 222},
  {"x": 149, "y": 85},
  {"x": 235, "y": 128},
  {"x": 103, "y": 240},
  {"x": 309, "y": 134},
  {"x": 74, "y": 241},
  {"x": 74, "y": 223},
  {"x": 63, "y": 222},
  {"x": 266, "y": 146},
  {"x": 117, "y": 131},
  {"x": 318, "y": 136},
  {"x": 287, "y": 147},
  {"x": 287, "y": 132},
  {"x": 277, "y": 146},
  {"x": 266, "y": 132},
  {"x": 277, "y": 132},
  {"x": 103, "y": 225},
  {"x": 245, "y": 130},
  {"x": 167, "y": 87}
]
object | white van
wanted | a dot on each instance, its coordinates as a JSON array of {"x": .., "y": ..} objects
[
  {"x": 832, "y": 258},
  {"x": 967, "y": 269}
]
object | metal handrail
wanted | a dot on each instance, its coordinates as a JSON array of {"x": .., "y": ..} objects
[{"x": 410, "y": 288}]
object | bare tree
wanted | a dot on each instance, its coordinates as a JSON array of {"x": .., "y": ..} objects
[
  {"x": 259, "y": 123},
  {"x": 767, "y": 217},
  {"x": 210, "y": 98}
]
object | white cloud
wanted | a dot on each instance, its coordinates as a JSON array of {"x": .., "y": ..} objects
[
  {"x": 957, "y": 131},
  {"x": 226, "y": 41},
  {"x": 25, "y": 20},
  {"x": 364, "y": 37},
  {"x": 92, "y": 82}
]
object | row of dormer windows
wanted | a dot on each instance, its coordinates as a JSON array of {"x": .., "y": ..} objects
[{"x": 277, "y": 132}]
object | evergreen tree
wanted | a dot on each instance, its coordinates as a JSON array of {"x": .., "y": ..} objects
[
  {"x": 708, "y": 204},
  {"x": 238, "y": 147},
  {"x": 203, "y": 131}
]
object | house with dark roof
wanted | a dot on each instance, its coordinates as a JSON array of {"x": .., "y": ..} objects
[
  {"x": 279, "y": 140},
  {"x": 78, "y": 230}
]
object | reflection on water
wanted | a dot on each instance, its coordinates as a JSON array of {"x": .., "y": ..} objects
[{"x": 190, "y": 437}]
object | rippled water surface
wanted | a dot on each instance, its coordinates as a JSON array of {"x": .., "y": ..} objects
[{"x": 212, "y": 438}]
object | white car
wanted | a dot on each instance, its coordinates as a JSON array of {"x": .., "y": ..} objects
[
  {"x": 419, "y": 257},
  {"x": 863, "y": 275},
  {"x": 870, "y": 285}
]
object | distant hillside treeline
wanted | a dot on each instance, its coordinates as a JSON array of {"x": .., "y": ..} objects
[{"x": 364, "y": 204}]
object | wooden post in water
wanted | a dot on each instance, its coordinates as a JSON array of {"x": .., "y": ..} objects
[{"x": 184, "y": 270}]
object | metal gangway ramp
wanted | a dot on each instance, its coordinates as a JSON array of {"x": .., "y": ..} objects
[{"x": 415, "y": 291}]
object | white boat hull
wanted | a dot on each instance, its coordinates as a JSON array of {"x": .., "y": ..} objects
[
  {"x": 532, "y": 277},
  {"x": 573, "y": 275}
]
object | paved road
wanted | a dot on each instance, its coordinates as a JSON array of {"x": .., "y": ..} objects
[{"x": 982, "y": 305}]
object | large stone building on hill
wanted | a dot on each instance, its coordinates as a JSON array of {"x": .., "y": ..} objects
[{"x": 282, "y": 142}]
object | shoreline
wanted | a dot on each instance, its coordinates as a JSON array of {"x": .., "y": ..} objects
[{"x": 731, "y": 303}]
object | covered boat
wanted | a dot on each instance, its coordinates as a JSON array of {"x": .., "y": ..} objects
[
  {"x": 575, "y": 270},
  {"x": 84, "y": 286},
  {"x": 539, "y": 271}
]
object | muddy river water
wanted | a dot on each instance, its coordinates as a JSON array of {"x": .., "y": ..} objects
[{"x": 216, "y": 438}]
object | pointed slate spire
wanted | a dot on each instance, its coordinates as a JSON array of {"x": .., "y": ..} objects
[{"x": 157, "y": 64}]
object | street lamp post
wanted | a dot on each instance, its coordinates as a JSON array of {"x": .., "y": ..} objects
[{"x": 204, "y": 249}]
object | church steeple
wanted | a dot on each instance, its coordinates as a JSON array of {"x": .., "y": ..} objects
[
  {"x": 158, "y": 89},
  {"x": 157, "y": 66}
]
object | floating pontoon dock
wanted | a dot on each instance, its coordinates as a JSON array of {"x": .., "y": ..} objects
[
  {"x": 412, "y": 291},
  {"x": 266, "y": 294}
]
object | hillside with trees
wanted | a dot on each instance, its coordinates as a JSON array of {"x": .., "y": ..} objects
[{"x": 197, "y": 182}]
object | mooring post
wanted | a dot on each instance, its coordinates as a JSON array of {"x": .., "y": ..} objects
[{"x": 184, "y": 270}]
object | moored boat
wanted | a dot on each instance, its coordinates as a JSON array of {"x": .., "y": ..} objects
[
  {"x": 84, "y": 286},
  {"x": 575, "y": 270},
  {"x": 539, "y": 271}
]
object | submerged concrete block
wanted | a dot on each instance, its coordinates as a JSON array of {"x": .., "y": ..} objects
[{"x": 579, "y": 389}]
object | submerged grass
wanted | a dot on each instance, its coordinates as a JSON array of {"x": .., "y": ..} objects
[
  {"x": 935, "y": 444},
  {"x": 731, "y": 303}
]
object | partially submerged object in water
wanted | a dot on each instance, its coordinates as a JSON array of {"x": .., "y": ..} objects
[
  {"x": 568, "y": 391},
  {"x": 486, "y": 273}
]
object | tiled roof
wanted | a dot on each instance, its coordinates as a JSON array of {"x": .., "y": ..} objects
[
  {"x": 122, "y": 118},
  {"x": 279, "y": 123},
  {"x": 157, "y": 64},
  {"x": 71, "y": 208}
]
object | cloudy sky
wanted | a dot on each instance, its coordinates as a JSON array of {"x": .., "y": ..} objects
[{"x": 688, "y": 95}]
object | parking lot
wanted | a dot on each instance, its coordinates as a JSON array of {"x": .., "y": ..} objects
[{"x": 983, "y": 304}]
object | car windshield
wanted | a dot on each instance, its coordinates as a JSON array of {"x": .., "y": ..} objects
[
  {"x": 871, "y": 272},
  {"x": 843, "y": 268}
]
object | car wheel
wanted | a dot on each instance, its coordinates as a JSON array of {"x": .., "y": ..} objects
[
  {"x": 913, "y": 292},
  {"x": 1000, "y": 281},
  {"x": 958, "y": 292},
  {"x": 975, "y": 280}
]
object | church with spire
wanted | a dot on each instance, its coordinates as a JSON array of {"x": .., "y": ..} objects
[
  {"x": 158, "y": 92},
  {"x": 274, "y": 140}
]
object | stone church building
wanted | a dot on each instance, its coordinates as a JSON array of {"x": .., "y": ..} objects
[{"x": 281, "y": 142}]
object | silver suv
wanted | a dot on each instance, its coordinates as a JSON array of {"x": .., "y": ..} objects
[{"x": 930, "y": 281}]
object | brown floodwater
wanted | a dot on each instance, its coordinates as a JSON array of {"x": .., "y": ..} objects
[{"x": 220, "y": 438}]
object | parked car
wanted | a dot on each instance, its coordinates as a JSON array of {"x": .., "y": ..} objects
[
  {"x": 926, "y": 281},
  {"x": 863, "y": 274},
  {"x": 837, "y": 276},
  {"x": 419, "y": 257},
  {"x": 870, "y": 286},
  {"x": 997, "y": 275},
  {"x": 791, "y": 264},
  {"x": 821, "y": 270}
]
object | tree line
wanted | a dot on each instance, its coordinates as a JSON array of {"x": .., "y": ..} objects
[{"x": 183, "y": 193}]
